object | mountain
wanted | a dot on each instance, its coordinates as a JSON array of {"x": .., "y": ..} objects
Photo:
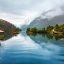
[
  {"x": 40, "y": 22},
  {"x": 24, "y": 27},
  {"x": 8, "y": 28}
]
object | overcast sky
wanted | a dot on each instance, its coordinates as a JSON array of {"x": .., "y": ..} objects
[{"x": 24, "y": 11}]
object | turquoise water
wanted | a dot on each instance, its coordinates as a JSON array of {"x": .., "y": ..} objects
[{"x": 22, "y": 49}]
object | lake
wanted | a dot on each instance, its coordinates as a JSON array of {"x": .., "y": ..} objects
[{"x": 23, "y": 49}]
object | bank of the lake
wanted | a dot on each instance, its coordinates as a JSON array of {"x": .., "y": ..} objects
[
  {"x": 7, "y": 30},
  {"x": 53, "y": 31}
]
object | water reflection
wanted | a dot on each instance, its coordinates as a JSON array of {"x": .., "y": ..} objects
[
  {"x": 50, "y": 44},
  {"x": 22, "y": 49},
  {"x": 39, "y": 38},
  {"x": 6, "y": 36}
]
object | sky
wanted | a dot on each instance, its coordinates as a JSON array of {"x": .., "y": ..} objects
[{"x": 20, "y": 12}]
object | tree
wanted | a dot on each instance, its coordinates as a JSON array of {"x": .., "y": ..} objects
[
  {"x": 28, "y": 29},
  {"x": 34, "y": 30},
  {"x": 43, "y": 30},
  {"x": 56, "y": 27}
]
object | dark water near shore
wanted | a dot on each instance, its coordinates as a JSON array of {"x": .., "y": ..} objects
[{"x": 22, "y": 49}]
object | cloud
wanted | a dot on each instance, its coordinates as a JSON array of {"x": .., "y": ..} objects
[
  {"x": 24, "y": 11},
  {"x": 17, "y": 6},
  {"x": 18, "y": 19}
]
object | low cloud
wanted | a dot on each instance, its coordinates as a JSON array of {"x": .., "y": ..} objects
[{"x": 24, "y": 11}]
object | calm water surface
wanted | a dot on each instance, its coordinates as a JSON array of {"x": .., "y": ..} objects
[{"x": 22, "y": 49}]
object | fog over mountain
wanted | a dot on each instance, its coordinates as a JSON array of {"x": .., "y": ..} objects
[
  {"x": 24, "y": 11},
  {"x": 40, "y": 22}
]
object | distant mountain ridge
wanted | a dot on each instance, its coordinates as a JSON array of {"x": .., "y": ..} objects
[{"x": 40, "y": 22}]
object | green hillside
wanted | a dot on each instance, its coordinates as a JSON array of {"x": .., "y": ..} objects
[{"x": 8, "y": 29}]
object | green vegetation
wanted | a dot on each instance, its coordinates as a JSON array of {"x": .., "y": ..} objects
[
  {"x": 56, "y": 31},
  {"x": 1, "y": 37},
  {"x": 7, "y": 30}
]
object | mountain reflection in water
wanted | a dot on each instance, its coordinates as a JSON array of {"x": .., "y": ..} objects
[
  {"x": 39, "y": 38},
  {"x": 22, "y": 49}
]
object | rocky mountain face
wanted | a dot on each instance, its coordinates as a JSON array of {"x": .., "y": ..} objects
[{"x": 41, "y": 22}]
